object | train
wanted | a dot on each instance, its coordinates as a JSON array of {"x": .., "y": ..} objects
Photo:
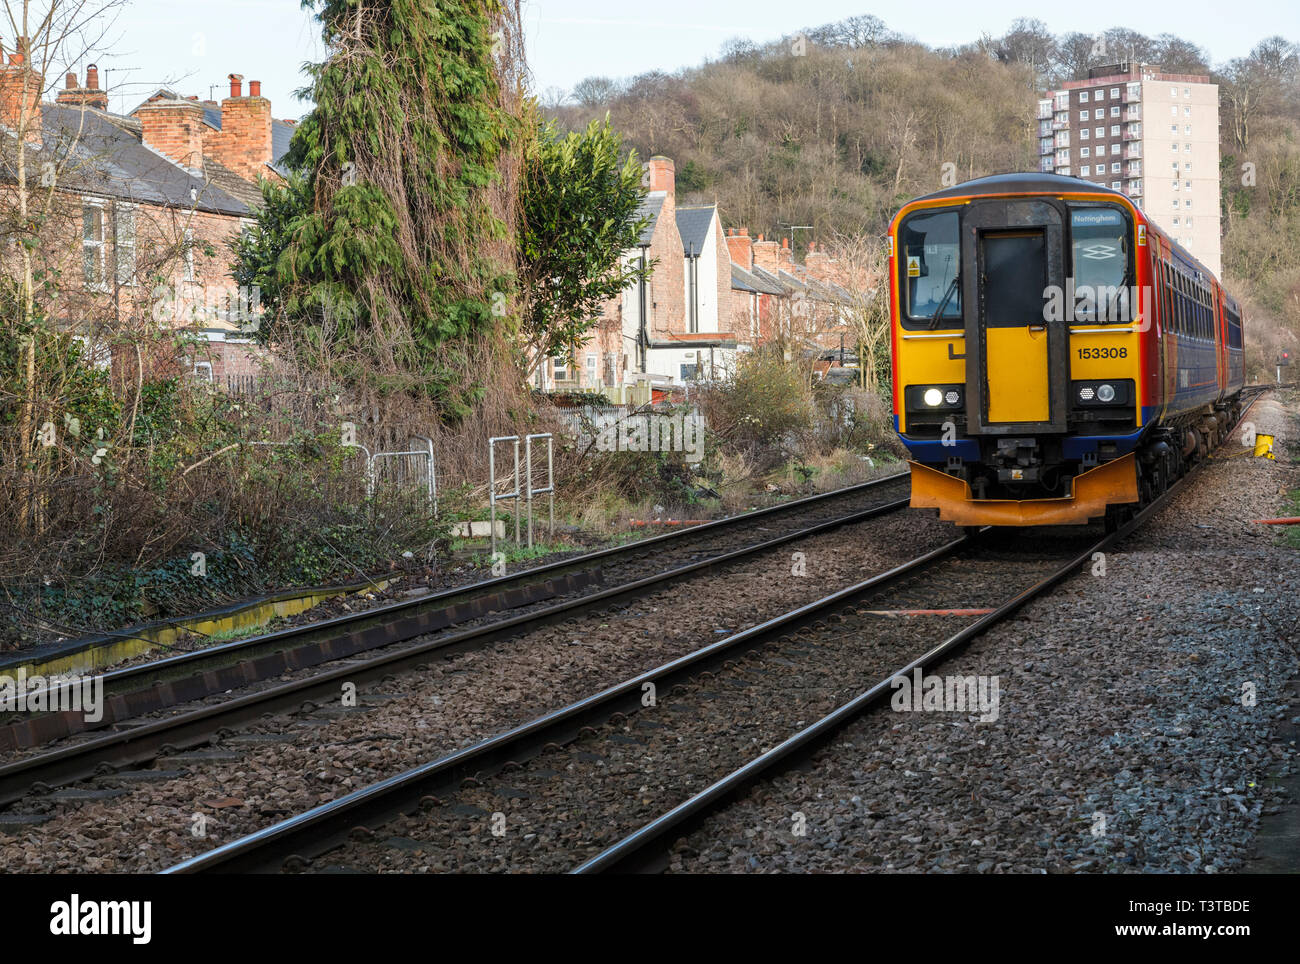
[{"x": 1057, "y": 358}]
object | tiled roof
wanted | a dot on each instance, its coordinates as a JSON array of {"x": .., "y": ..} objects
[
  {"x": 106, "y": 156},
  {"x": 652, "y": 205},
  {"x": 743, "y": 280},
  {"x": 693, "y": 224}
]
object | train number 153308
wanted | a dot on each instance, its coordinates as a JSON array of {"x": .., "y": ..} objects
[{"x": 1103, "y": 352}]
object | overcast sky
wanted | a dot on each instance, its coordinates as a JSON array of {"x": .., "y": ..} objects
[{"x": 192, "y": 45}]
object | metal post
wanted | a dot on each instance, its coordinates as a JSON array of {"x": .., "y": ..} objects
[
  {"x": 549, "y": 488},
  {"x": 493, "y": 496}
]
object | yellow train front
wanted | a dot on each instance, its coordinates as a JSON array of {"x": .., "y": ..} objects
[{"x": 1037, "y": 379}]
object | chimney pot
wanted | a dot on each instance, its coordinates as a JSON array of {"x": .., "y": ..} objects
[
  {"x": 92, "y": 77},
  {"x": 70, "y": 81},
  {"x": 785, "y": 242},
  {"x": 254, "y": 88},
  {"x": 236, "y": 85}
]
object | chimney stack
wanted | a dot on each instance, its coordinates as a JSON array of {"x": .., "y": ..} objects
[
  {"x": 244, "y": 142},
  {"x": 765, "y": 254},
  {"x": 174, "y": 128},
  {"x": 663, "y": 174},
  {"x": 741, "y": 248},
  {"x": 20, "y": 87},
  {"x": 88, "y": 96}
]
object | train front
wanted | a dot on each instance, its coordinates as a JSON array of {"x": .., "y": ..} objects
[{"x": 1017, "y": 350}]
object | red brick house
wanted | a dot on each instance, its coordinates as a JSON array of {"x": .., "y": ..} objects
[{"x": 143, "y": 207}]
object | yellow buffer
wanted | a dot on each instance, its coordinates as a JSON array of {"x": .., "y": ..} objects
[
  {"x": 1114, "y": 483},
  {"x": 1016, "y": 361}
]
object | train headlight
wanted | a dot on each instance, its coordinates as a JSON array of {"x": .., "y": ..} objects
[
  {"x": 933, "y": 397},
  {"x": 1105, "y": 393},
  {"x": 952, "y": 398},
  {"x": 1086, "y": 393}
]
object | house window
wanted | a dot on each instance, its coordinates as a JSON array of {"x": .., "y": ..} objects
[
  {"x": 124, "y": 243},
  {"x": 92, "y": 243},
  {"x": 203, "y": 371},
  {"x": 689, "y": 372},
  {"x": 591, "y": 369},
  {"x": 560, "y": 372}
]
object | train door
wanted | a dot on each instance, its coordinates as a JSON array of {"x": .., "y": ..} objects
[{"x": 1017, "y": 363}]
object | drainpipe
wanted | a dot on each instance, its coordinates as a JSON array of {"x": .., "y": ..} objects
[
  {"x": 642, "y": 335},
  {"x": 692, "y": 274}
]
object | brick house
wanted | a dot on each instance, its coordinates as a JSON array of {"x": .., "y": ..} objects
[
  {"x": 713, "y": 294},
  {"x": 143, "y": 208}
]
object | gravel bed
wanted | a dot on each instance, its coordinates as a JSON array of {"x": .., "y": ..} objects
[
  {"x": 565, "y": 806},
  {"x": 418, "y": 716},
  {"x": 1124, "y": 742}
]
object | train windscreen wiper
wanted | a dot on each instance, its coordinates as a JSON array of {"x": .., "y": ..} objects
[{"x": 947, "y": 297}]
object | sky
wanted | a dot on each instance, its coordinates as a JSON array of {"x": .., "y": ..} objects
[{"x": 193, "y": 45}]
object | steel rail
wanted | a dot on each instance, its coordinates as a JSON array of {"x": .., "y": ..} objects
[{"x": 322, "y": 827}]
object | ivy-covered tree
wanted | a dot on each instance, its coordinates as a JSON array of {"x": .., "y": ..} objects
[
  {"x": 578, "y": 217},
  {"x": 404, "y": 253}
]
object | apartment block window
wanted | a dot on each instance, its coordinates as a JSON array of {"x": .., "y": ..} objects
[
  {"x": 1114, "y": 167},
  {"x": 1175, "y": 166},
  {"x": 1114, "y": 185},
  {"x": 1099, "y": 113},
  {"x": 1173, "y": 110},
  {"x": 1189, "y": 222},
  {"x": 1186, "y": 167},
  {"x": 1084, "y": 134},
  {"x": 124, "y": 243},
  {"x": 188, "y": 253},
  {"x": 1083, "y": 115},
  {"x": 1175, "y": 221},
  {"x": 1175, "y": 147},
  {"x": 1114, "y": 111},
  {"x": 1173, "y": 91},
  {"x": 1064, "y": 171},
  {"x": 1187, "y": 185},
  {"x": 1114, "y": 148},
  {"x": 1173, "y": 128},
  {"x": 1187, "y": 112},
  {"x": 1114, "y": 93},
  {"x": 1086, "y": 169},
  {"x": 1114, "y": 130},
  {"x": 1187, "y": 148},
  {"x": 1085, "y": 152},
  {"x": 1187, "y": 92},
  {"x": 1083, "y": 97},
  {"x": 92, "y": 244},
  {"x": 1100, "y": 132},
  {"x": 1188, "y": 130},
  {"x": 1175, "y": 202},
  {"x": 1187, "y": 203}
]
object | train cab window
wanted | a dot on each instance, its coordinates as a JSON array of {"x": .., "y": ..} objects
[
  {"x": 931, "y": 267},
  {"x": 1100, "y": 254}
]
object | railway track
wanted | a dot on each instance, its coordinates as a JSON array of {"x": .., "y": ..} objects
[
  {"x": 609, "y": 782},
  {"x": 382, "y": 640}
]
